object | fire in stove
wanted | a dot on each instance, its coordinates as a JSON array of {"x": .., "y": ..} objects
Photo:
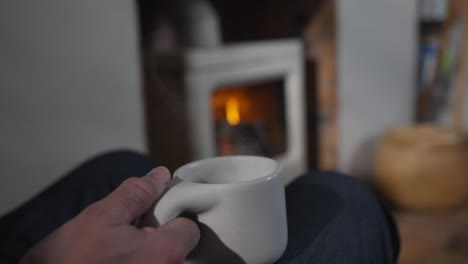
[
  {"x": 232, "y": 111},
  {"x": 249, "y": 119}
]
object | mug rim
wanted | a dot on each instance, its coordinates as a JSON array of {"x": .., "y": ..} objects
[{"x": 275, "y": 173}]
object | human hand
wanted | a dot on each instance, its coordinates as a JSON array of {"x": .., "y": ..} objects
[{"x": 102, "y": 233}]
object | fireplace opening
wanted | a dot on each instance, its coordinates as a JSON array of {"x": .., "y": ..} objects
[{"x": 249, "y": 118}]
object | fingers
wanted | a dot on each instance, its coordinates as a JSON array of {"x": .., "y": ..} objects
[
  {"x": 135, "y": 196},
  {"x": 175, "y": 240}
]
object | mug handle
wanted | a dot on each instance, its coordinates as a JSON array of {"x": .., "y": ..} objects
[{"x": 184, "y": 197}]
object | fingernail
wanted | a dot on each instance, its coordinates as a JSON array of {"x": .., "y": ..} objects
[{"x": 161, "y": 170}]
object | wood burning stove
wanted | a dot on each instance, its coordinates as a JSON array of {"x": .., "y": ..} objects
[{"x": 228, "y": 100}]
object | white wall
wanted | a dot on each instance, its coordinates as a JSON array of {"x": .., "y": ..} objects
[
  {"x": 376, "y": 71},
  {"x": 69, "y": 88}
]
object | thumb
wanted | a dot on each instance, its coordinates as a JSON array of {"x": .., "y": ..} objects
[
  {"x": 135, "y": 196},
  {"x": 174, "y": 240}
]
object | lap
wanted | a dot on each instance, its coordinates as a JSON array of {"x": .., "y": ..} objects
[
  {"x": 332, "y": 218},
  {"x": 63, "y": 200}
]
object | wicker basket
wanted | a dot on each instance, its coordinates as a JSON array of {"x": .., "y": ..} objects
[{"x": 423, "y": 167}]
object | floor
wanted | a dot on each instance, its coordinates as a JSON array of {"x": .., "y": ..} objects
[{"x": 433, "y": 238}]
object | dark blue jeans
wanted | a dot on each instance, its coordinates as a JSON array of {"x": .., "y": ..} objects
[{"x": 332, "y": 218}]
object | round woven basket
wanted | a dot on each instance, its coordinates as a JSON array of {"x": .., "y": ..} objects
[{"x": 423, "y": 167}]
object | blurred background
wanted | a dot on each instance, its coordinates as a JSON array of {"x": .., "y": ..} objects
[{"x": 374, "y": 89}]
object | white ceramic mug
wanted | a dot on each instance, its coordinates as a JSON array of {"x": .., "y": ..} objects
[{"x": 239, "y": 202}]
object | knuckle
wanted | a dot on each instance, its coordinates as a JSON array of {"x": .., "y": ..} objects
[
  {"x": 94, "y": 210},
  {"x": 136, "y": 191}
]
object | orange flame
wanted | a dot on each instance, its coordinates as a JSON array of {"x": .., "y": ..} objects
[{"x": 232, "y": 111}]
